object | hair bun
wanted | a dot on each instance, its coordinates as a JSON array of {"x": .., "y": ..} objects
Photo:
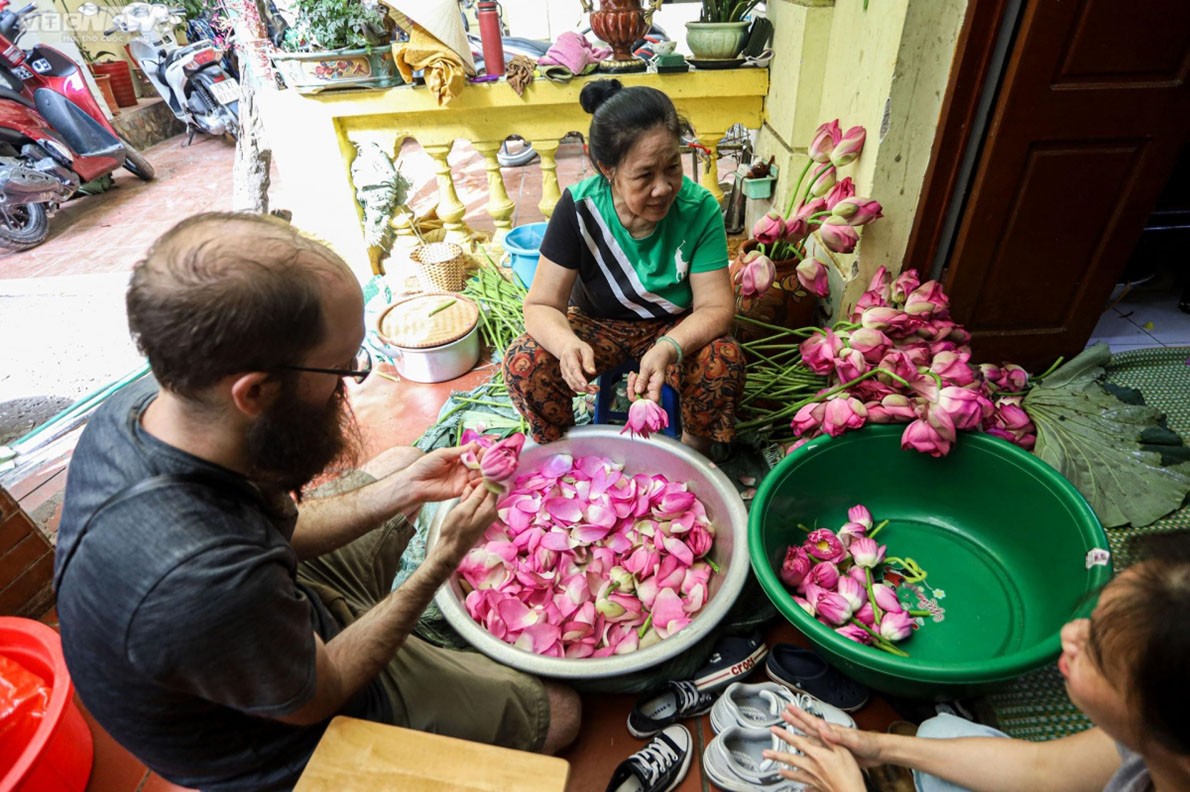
[{"x": 596, "y": 93}]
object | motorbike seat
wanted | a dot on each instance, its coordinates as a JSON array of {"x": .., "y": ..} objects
[{"x": 5, "y": 93}]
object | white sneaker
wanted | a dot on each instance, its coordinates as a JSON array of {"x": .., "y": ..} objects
[
  {"x": 734, "y": 761},
  {"x": 759, "y": 706}
]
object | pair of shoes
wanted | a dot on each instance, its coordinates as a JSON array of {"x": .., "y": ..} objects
[
  {"x": 803, "y": 671},
  {"x": 734, "y": 761},
  {"x": 659, "y": 766},
  {"x": 759, "y": 707},
  {"x": 732, "y": 659},
  {"x": 678, "y": 701}
]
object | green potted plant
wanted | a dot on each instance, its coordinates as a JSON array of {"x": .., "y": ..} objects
[
  {"x": 337, "y": 44},
  {"x": 721, "y": 29}
]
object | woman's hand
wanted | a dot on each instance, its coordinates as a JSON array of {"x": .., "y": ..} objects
[
  {"x": 826, "y": 757},
  {"x": 647, "y": 381},
  {"x": 578, "y": 365},
  {"x": 862, "y": 745},
  {"x": 440, "y": 474},
  {"x": 467, "y": 521}
]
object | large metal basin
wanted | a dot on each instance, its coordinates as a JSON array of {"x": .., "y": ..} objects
[{"x": 656, "y": 455}]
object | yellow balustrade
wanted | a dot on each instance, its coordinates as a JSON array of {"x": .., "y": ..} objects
[{"x": 313, "y": 139}]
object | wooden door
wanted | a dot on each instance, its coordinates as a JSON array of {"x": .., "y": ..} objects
[{"x": 1090, "y": 116}]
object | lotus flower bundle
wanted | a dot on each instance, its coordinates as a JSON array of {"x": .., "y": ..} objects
[
  {"x": 587, "y": 560},
  {"x": 835, "y": 574}
]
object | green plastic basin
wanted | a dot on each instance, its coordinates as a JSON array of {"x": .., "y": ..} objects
[{"x": 1000, "y": 532}]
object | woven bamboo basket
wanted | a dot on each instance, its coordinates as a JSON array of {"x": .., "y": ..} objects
[{"x": 441, "y": 266}]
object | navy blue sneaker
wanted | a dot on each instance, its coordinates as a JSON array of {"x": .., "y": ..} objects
[
  {"x": 733, "y": 658},
  {"x": 803, "y": 671},
  {"x": 659, "y": 766},
  {"x": 677, "y": 701}
]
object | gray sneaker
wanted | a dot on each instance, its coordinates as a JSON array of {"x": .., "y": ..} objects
[
  {"x": 759, "y": 706},
  {"x": 734, "y": 761}
]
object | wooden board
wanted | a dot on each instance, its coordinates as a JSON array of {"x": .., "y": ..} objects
[{"x": 361, "y": 756}]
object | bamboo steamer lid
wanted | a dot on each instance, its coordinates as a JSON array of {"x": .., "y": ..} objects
[{"x": 427, "y": 320}]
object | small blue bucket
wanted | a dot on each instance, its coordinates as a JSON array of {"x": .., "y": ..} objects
[{"x": 523, "y": 244}]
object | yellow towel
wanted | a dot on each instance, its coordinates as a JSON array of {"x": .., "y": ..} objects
[{"x": 444, "y": 69}]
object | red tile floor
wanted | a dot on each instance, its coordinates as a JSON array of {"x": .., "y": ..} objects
[{"x": 107, "y": 233}]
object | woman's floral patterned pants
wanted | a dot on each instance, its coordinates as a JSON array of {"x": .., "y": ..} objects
[{"x": 710, "y": 381}]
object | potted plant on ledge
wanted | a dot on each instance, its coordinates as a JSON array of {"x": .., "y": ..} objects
[
  {"x": 337, "y": 44},
  {"x": 721, "y": 29}
]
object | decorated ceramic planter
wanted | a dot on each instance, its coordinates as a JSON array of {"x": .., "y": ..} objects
[
  {"x": 716, "y": 40},
  {"x": 314, "y": 72}
]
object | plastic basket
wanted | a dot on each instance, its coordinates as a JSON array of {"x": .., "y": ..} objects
[{"x": 440, "y": 266}]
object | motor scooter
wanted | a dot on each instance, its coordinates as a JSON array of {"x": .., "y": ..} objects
[
  {"x": 53, "y": 134},
  {"x": 191, "y": 78}
]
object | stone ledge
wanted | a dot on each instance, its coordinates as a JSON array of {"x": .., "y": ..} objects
[{"x": 147, "y": 124}]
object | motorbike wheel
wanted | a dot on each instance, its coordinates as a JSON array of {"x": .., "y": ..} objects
[
  {"x": 23, "y": 226},
  {"x": 136, "y": 164},
  {"x": 232, "y": 121}
]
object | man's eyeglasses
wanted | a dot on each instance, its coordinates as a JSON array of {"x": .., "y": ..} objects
[{"x": 361, "y": 367}]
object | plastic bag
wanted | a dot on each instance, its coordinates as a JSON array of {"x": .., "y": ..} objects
[{"x": 24, "y": 699}]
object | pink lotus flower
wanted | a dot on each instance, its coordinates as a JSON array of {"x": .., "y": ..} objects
[
  {"x": 819, "y": 351},
  {"x": 838, "y": 236},
  {"x": 825, "y": 546},
  {"x": 645, "y": 417},
  {"x": 893, "y": 408},
  {"x": 843, "y": 189},
  {"x": 822, "y": 178},
  {"x": 808, "y": 419},
  {"x": 879, "y": 282},
  {"x": 896, "y": 626},
  {"x": 853, "y": 592},
  {"x": 870, "y": 342},
  {"x": 966, "y": 408},
  {"x": 849, "y": 147},
  {"x": 500, "y": 461},
  {"x": 921, "y": 436},
  {"x": 886, "y": 598},
  {"x": 928, "y": 299},
  {"x": 757, "y": 275},
  {"x": 470, "y": 459},
  {"x": 851, "y": 531},
  {"x": 859, "y": 514},
  {"x": 795, "y": 567},
  {"x": 769, "y": 228},
  {"x": 825, "y": 575},
  {"x": 866, "y": 553},
  {"x": 857, "y": 211},
  {"x": 854, "y": 633},
  {"x": 953, "y": 367},
  {"x": 865, "y": 615},
  {"x": 842, "y": 413},
  {"x": 833, "y": 609},
  {"x": 904, "y": 285},
  {"x": 811, "y": 274},
  {"x": 850, "y": 364},
  {"x": 804, "y": 605},
  {"x": 825, "y": 139}
]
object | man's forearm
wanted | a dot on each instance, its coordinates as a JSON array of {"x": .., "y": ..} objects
[{"x": 325, "y": 524}]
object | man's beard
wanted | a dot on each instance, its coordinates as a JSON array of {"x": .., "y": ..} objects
[{"x": 294, "y": 441}]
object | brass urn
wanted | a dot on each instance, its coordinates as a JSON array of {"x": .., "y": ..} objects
[{"x": 621, "y": 23}]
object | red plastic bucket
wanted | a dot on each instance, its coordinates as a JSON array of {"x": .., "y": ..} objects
[{"x": 60, "y": 753}]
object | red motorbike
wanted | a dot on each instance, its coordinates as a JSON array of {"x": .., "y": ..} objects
[{"x": 53, "y": 135}]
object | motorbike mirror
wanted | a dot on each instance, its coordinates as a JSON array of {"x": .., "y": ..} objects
[{"x": 88, "y": 9}]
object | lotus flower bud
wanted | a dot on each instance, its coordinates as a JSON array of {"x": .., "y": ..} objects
[
  {"x": 852, "y": 591},
  {"x": 858, "y": 211},
  {"x": 821, "y": 180},
  {"x": 804, "y": 605},
  {"x": 826, "y": 137},
  {"x": 769, "y": 228},
  {"x": 865, "y": 615},
  {"x": 825, "y": 546},
  {"x": 886, "y": 598},
  {"x": 500, "y": 461},
  {"x": 849, "y": 147},
  {"x": 833, "y": 609},
  {"x": 838, "y": 236},
  {"x": 795, "y": 567},
  {"x": 966, "y": 408},
  {"x": 928, "y": 299},
  {"x": 851, "y": 531},
  {"x": 757, "y": 276},
  {"x": 825, "y": 574},
  {"x": 820, "y": 350},
  {"x": 623, "y": 579},
  {"x": 923, "y": 437},
  {"x": 866, "y": 553},
  {"x": 904, "y": 285},
  {"x": 808, "y": 419},
  {"x": 855, "y": 633},
  {"x": 811, "y": 274},
  {"x": 645, "y": 417},
  {"x": 896, "y": 626},
  {"x": 843, "y": 413},
  {"x": 843, "y": 189}
]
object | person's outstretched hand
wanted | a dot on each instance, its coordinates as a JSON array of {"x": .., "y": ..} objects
[
  {"x": 466, "y": 522},
  {"x": 649, "y": 378},
  {"x": 578, "y": 366},
  {"x": 440, "y": 474},
  {"x": 861, "y": 744}
]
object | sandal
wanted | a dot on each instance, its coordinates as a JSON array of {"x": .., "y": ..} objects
[{"x": 804, "y": 671}]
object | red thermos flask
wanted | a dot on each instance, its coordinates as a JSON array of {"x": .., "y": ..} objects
[{"x": 490, "y": 34}]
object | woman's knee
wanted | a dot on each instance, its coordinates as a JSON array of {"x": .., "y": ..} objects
[{"x": 566, "y": 716}]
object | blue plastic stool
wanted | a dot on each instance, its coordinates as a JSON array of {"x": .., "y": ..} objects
[{"x": 606, "y": 397}]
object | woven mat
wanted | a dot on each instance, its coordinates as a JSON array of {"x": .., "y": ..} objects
[{"x": 1036, "y": 707}]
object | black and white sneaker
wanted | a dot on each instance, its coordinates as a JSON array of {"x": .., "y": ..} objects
[
  {"x": 677, "y": 701},
  {"x": 659, "y": 766},
  {"x": 732, "y": 659}
]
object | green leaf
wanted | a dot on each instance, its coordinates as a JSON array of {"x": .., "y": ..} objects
[{"x": 1094, "y": 440}]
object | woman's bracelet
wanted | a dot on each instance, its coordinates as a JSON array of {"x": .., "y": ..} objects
[{"x": 675, "y": 345}]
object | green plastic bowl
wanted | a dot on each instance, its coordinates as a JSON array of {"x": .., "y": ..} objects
[{"x": 1003, "y": 534}]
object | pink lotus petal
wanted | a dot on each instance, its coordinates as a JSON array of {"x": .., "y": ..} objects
[
  {"x": 695, "y": 599},
  {"x": 682, "y": 523},
  {"x": 516, "y": 614},
  {"x": 646, "y": 591},
  {"x": 579, "y": 650},
  {"x": 564, "y": 509},
  {"x": 618, "y": 543},
  {"x": 541, "y": 639},
  {"x": 557, "y": 466},
  {"x": 668, "y": 614},
  {"x": 557, "y": 540},
  {"x": 673, "y": 503},
  {"x": 600, "y": 514},
  {"x": 588, "y": 534},
  {"x": 679, "y": 550}
]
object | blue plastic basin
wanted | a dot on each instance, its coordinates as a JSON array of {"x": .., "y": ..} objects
[{"x": 523, "y": 244}]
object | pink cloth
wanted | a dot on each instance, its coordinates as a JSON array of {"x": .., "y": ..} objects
[{"x": 573, "y": 52}]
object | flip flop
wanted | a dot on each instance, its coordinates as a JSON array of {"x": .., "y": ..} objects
[{"x": 804, "y": 671}]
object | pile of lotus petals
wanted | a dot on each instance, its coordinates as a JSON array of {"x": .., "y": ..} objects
[{"x": 587, "y": 560}]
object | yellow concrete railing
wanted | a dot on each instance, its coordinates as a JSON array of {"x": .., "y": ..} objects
[{"x": 313, "y": 139}]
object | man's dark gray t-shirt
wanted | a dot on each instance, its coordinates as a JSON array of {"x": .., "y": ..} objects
[{"x": 184, "y": 628}]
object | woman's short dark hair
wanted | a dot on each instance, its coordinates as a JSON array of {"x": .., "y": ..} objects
[
  {"x": 1140, "y": 639},
  {"x": 222, "y": 293},
  {"x": 621, "y": 115}
]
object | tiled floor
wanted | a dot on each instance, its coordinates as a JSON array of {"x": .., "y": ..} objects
[
  {"x": 1146, "y": 314},
  {"x": 107, "y": 233}
]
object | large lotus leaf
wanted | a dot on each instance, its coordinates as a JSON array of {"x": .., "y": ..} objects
[{"x": 1095, "y": 441}]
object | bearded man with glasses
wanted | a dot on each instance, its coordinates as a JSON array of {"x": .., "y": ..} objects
[{"x": 213, "y": 619}]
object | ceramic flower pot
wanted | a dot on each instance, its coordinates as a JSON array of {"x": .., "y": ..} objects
[
  {"x": 716, "y": 40},
  {"x": 621, "y": 23},
  {"x": 785, "y": 304}
]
